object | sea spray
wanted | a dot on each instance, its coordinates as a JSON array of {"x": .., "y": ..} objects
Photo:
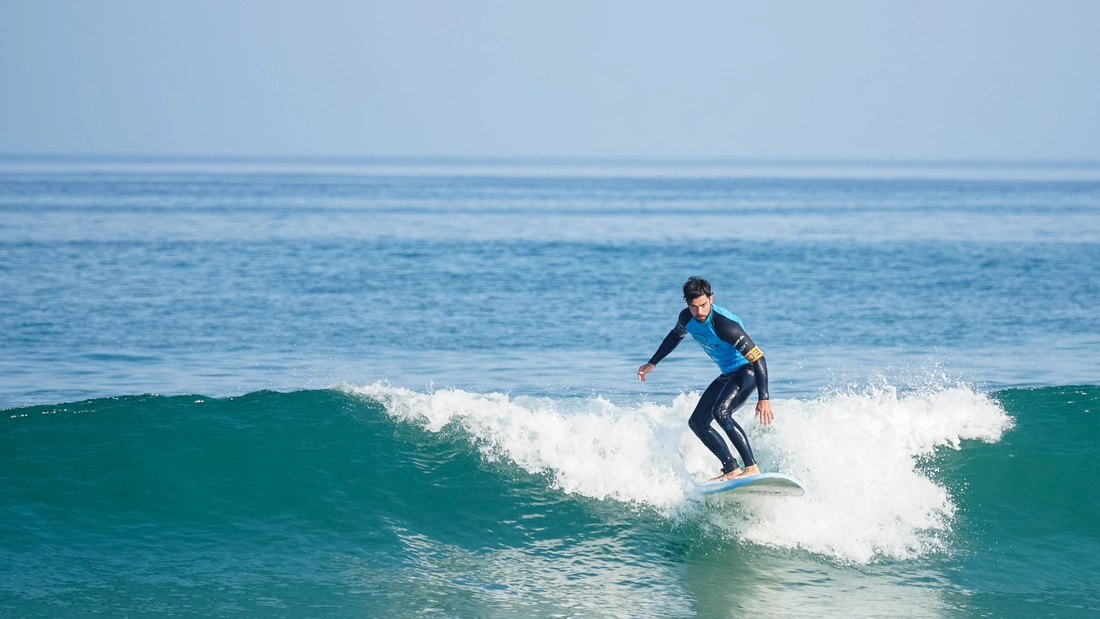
[{"x": 859, "y": 455}]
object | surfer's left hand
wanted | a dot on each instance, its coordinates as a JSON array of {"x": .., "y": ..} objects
[{"x": 764, "y": 412}]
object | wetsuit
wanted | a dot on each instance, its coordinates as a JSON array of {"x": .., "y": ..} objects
[{"x": 723, "y": 337}]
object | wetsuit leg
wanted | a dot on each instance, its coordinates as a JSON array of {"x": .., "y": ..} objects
[
  {"x": 700, "y": 424},
  {"x": 735, "y": 391}
]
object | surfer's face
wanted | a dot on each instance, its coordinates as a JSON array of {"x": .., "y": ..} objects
[{"x": 700, "y": 307}]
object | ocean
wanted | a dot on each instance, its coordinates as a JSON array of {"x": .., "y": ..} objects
[{"x": 407, "y": 388}]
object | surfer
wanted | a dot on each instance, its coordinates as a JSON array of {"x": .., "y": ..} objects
[{"x": 723, "y": 337}]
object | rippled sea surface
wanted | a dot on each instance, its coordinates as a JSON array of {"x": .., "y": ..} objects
[{"x": 407, "y": 389}]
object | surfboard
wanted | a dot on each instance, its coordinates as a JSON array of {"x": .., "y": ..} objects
[{"x": 764, "y": 483}]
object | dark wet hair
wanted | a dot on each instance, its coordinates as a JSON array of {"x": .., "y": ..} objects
[{"x": 696, "y": 287}]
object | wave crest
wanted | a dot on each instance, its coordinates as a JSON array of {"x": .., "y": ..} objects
[{"x": 858, "y": 455}]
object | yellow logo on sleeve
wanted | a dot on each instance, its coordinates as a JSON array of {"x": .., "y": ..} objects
[{"x": 753, "y": 354}]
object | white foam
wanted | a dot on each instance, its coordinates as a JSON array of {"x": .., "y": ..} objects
[
  {"x": 589, "y": 447},
  {"x": 857, "y": 455}
]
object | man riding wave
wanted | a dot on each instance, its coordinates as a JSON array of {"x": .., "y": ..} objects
[{"x": 723, "y": 337}]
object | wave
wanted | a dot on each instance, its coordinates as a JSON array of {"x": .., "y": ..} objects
[
  {"x": 390, "y": 497},
  {"x": 863, "y": 458}
]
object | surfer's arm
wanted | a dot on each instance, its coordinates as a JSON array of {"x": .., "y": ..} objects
[
  {"x": 671, "y": 341},
  {"x": 733, "y": 333}
]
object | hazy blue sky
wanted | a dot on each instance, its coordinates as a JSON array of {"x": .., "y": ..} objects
[{"x": 876, "y": 79}]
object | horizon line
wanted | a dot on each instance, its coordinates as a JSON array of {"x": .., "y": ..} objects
[{"x": 548, "y": 160}]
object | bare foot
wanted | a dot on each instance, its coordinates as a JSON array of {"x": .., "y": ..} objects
[
  {"x": 752, "y": 470},
  {"x": 734, "y": 474}
]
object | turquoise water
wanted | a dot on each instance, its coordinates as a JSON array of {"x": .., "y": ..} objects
[
  {"x": 322, "y": 503},
  {"x": 342, "y": 391}
]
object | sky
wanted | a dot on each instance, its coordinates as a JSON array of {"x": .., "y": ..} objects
[{"x": 851, "y": 80}]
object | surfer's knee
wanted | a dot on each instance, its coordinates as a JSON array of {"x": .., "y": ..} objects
[
  {"x": 723, "y": 412},
  {"x": 730, "y": 401},
  {"x": 699, "y": 424}
]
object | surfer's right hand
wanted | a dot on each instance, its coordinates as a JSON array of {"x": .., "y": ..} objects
[
  {"x": 764, "y": 412},
  {"x": 645, "y": 369}
]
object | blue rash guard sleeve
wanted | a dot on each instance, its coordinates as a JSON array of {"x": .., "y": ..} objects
[
  {"x": 673, "y": 339},
  {"x": 734, "y": 334}
]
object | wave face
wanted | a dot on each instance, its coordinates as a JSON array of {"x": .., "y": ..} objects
[
  {"x": 374, "y": 500},
  {"x": 646, "y": 455}
]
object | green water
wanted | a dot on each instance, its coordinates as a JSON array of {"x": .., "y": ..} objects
[
  {"x": 321, "y": 503},
  {"x": 1028, "y": 541}
]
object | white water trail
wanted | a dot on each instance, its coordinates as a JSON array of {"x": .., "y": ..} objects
[{"x": 856, "y": 454}]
